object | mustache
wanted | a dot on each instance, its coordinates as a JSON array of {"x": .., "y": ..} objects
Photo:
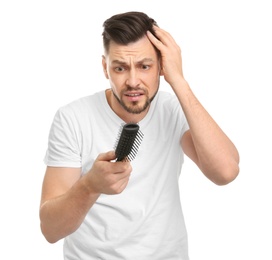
[{"x": 129, "y": 88}]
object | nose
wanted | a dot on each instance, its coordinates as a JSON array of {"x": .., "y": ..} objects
[{"x": 133, "y": 79}]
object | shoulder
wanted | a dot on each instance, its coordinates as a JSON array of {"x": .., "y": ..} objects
[
  {"x": 167, "y": 100},
  {"x": 167, "y": 96},
  {"x": 86, "y": 101},
  {"x": 170, "y": 109},
  {"x": 83, "y": 105}
]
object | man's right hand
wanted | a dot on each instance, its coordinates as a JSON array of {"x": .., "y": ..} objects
[{"x": 107, "y": 176}]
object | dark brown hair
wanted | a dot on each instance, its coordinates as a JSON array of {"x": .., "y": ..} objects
[{"x": 125, "y": 28}]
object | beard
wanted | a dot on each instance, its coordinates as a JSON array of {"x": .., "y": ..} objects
[{"x": 135, "y": 107}]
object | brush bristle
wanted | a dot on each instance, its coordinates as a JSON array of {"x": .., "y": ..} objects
[{"x": 128, "y": 142}]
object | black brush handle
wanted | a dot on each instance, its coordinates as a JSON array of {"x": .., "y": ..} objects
[{"x": 128, "y": 142}]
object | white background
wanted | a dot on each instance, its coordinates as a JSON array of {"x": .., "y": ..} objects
[{"x": 50, "y": 54}]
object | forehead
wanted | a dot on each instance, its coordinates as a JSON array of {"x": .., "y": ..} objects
[{"x": 142, "y": 49}]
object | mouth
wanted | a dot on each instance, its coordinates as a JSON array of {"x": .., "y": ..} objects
[{"x": 134, "y": 95}]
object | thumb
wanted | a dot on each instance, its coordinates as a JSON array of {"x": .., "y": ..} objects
[{"x": 108, "y": 156}]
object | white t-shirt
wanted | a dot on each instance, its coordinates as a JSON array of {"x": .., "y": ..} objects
[{"x": 145, "y": 221}]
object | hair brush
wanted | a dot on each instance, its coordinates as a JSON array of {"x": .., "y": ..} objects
[{"x": 128, "y": 142}]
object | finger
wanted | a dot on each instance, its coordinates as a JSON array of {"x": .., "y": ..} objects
[
  {"x": 158, "y": 44},
  {"x": 164, "y": 36},
  {"x": 120, "y": 178},
  {"x": 108, "y": 156},
  {"x": 122, "y": 186},
  {"x": 122, "y": 168}
]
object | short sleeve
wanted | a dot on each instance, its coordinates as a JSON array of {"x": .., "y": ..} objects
[
  {"x": 181, "y": 119},
  {"x": 63, "y": 146}
]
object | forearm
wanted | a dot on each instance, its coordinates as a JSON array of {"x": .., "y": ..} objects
[
  {"x": 206, "y": 144},
  {"x": 216, "y": 155},
  {"x": 62, "y": 215}
]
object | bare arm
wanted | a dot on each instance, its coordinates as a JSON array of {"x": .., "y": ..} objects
[
  {"x": 67, "y": 197},
  {"x": 205, "y": 143}
]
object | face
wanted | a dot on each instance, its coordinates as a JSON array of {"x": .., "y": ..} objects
[{"x": 134, "y": 73}]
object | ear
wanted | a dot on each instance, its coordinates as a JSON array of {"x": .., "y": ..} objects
[
  {"x": 104, "y": 64},
  {"x": 161, "y": 69},
  {"x": 161, "y": 72}
]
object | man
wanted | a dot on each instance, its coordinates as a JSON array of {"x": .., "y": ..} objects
[{"x": 130, "y": 210}]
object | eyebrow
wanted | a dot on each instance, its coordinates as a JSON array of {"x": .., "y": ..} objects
[{"x": 138, "y": 62}]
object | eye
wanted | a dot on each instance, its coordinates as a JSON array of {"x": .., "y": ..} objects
[
  {"x": 145, "y": 67},
  {"x": 119, "y": 69}
]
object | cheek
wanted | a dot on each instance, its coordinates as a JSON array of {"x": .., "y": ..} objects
[
  {"x": 116, "y": 80},
  {"x": 153, "y": 83},
  {"x": 115, "y": 84}
]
